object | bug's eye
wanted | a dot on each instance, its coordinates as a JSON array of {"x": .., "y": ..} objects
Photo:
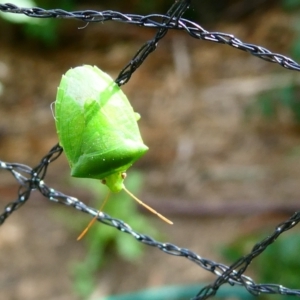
[
  {"x": 103, "y": 181},
  {"x": 123, "y": 175}
]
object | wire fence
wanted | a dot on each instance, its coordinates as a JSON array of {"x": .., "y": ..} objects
[{"x": 31, "y": 179}]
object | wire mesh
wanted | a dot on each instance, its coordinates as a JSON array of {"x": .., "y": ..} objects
[
  {"x": 31, "y": 179},
  {"x": 168, "y": 21}
]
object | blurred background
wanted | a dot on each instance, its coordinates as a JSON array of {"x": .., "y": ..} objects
[{"x": 224, "y": 137}]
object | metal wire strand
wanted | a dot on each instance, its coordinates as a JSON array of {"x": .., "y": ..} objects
[
  {"x": 31, "y": 179},
  {"x": 171, "y": 20},
  {"x": 225, "y": 274}
]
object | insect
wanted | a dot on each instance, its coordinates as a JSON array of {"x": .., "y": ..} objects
[{"x": 97, "y": 128}]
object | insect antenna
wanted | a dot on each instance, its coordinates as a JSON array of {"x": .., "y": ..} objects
[
  {"x": 82, "y": 234},
  {"x": 52, "y": 110},
  {"x": 147, "y": 206}
]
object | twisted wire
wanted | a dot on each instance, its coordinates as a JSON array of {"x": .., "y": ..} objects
[
  {"x": 168, "y": 21},
  {"x": 31, "y": 179}
]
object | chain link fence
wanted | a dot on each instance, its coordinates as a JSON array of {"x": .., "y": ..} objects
[{"x": 31, "y": 179}]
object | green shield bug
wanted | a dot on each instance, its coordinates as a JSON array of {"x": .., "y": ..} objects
[{"x": 97, "y": 128}]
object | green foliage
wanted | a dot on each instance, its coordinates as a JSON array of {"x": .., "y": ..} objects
[
  {"x": 40, "y": 29},
  {"x": 294, "y": 7},
  {"x": 269, "y": 104},
  {"x": 183, "y": 292},
  {"x": 19, "y": 18},
  {"x": 278, "y": 264},
  {"x": 45, "y": 31},
  {"x": 295, "y": 47},
  {"x": 104, "y": 242},
  {"x": 290, "y": 5}
]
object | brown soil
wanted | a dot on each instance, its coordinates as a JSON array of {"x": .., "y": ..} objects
[{"x": 216, "y": 174}]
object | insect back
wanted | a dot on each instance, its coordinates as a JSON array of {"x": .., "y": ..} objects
[
  {"x": 96, "y": 125},
  {"x": 97, "y": 128}
]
